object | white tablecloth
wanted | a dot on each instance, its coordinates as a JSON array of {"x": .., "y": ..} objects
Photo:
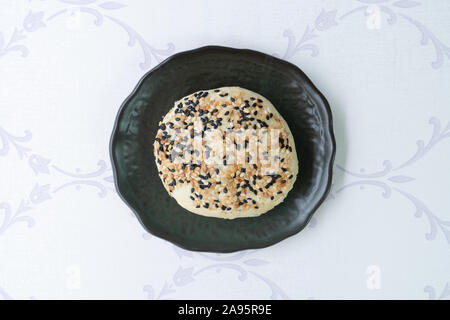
[{"x": 65, "y": 68}]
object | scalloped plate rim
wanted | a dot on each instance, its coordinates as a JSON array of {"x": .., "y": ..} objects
[{"x": 262, "y": 244}]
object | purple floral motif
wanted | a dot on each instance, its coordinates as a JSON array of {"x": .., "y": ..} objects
[
  {"x": 166, "y": 290},
  {"x": 237, "y": 262},
  {"x": 34, "y": 21},
  {"x": 277, "y": 293},
  {"x": 400, "y": 179},
  {"x": 40, "y": 194},
  {"x": 8, "y": 218},
  {"x": 4, "y": 295},
  {"x": 294, "y": 46},
  {"x": 182, "y": 253},
  {"x": 94, "y": 179},
  {"x": 6, "y": 139},
  {"x": 431, "y": 291},
  {"x": 376, "y": 179},
  {"x": 427, "y": 36},
  {"x": 440, "y": 48},
  {"x": 433, "y": 220},
  {"x": 39, "y": 164},
  {"x": 183, "y": 276},
  {"x": 423, "y": 148},
  {"x": 93, "y": 12},
  {"x": 326, "y": 20},
  {"x": 146, "y": 235},
  {"x": 147, "y": 49},
  {"x": 12, "y": 44}
]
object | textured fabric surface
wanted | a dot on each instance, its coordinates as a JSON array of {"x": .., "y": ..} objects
[{"x": 66, "y": 67}]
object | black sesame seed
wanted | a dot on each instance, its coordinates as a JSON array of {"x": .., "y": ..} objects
[{"x": 173, "y": 183}]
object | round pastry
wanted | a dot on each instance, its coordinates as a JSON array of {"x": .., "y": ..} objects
[{"x": 226, "y": 153}]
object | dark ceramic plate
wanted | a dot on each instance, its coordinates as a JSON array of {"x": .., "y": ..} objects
[{"x": 303, "y": 107}]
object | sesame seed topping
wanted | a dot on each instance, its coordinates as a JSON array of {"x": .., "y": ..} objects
[{"x": 241, "y": 186}]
